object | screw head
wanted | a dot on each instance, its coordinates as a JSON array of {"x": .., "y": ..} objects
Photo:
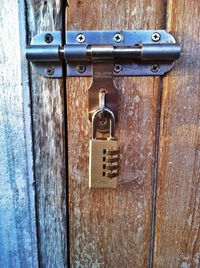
[
  {"x": 117, "y": 68},
  {"x": 49, "y": 71},
  {"x": 155, "y": 37},
  {"x": 155, "y": 68},
  {"x": 81, "y": 68},
  {"x": 48, "y": 38},
  {"x": 80, "y": 38},
  {"x": 117, "y": 37}
]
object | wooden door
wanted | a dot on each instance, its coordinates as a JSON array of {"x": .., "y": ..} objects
[
  {"x": 108, "y": 227},
  {"x": 52, "y": 218}
]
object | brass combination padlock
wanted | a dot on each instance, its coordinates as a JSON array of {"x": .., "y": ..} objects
[{"x": 104, "y": 156}]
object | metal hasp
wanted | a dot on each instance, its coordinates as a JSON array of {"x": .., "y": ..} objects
[
  {"x": 103, "y": 54},
  {"x": 133, "y": 53}
]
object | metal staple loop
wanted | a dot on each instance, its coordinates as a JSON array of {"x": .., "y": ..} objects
[{"x": 102, "y": 101}]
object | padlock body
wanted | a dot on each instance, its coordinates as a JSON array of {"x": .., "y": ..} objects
[{"x": 103, "y": 163}]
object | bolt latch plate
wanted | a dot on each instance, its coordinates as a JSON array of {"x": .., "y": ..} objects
[{"x": 132, "y": 53}]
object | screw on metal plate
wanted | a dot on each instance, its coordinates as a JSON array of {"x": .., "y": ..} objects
[
  {"x": 48, "y": 38},
  {"x": 80, "y": 38},
  {"x": 155, "y": 37},
  {"x": 117, "y": 37},
  {"x": 49, "y": 71},
  {"x": 155, "y": 68},
  {"x": 117, "y": 68},
  {"x": 81, "y": 68}
]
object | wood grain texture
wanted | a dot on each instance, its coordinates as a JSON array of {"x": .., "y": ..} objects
[
  {"x": 177, "y": 241},
  {"x": 49, "y": 145},
  {"x": 111, "y": 228},
  {"x": 18, "y": 245}
]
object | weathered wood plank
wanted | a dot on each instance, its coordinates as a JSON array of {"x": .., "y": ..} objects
[
  {"x": 49, "y": 145},
  {"x": 111, "y": 228},
  {"x": 18, "y": 246},
  {"x": 177, "y": 241}
]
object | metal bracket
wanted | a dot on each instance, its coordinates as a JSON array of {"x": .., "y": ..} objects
[{"x": 103, "y": 54}]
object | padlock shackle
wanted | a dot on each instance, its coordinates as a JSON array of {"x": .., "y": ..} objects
[{"x": 112, "y": 123}]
